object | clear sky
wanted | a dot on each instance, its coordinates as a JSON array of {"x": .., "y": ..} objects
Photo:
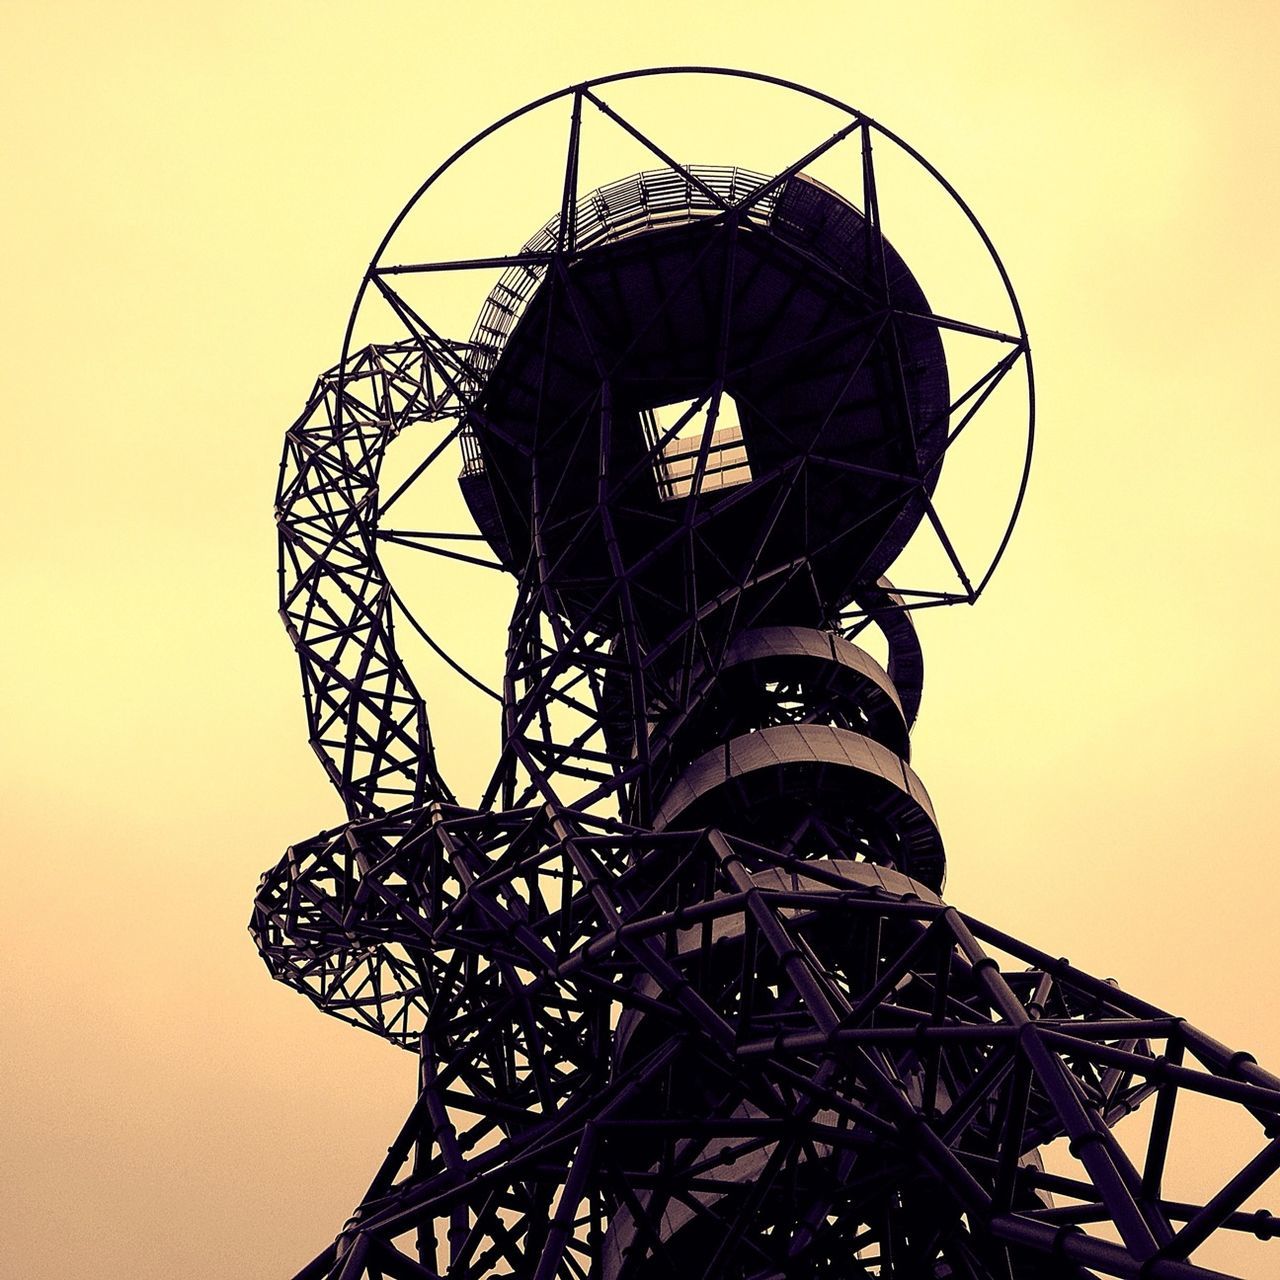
[{"x": 191, "y": 194}]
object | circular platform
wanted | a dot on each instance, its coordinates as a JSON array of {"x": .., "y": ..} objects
[{"x": 798, "y": 347}]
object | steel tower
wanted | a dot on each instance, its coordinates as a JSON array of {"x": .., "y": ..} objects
[{"x": 687, "y": 999}]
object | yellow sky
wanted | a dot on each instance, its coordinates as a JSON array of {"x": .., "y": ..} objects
[{"x": 191, "y": 195}]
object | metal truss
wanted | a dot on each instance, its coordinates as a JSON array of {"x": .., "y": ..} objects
[
  {"x": 687, "y": 999},
  {"x": 606, "y": 1091},
  {"x": 365, "y": 718}
]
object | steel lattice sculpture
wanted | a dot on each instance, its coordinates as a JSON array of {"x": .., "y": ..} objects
[{"x": 687, "y": 1000}]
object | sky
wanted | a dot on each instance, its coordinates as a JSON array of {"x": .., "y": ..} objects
[{"x": 193, "y": 192}]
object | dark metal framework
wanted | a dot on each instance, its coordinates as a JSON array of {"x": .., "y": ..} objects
[{"x": 686, "y": 998}]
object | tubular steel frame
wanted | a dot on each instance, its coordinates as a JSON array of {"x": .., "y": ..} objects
[{"x": 654, "y": 1043}]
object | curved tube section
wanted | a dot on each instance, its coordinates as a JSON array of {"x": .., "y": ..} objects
[{"x": 365, "y": 718}]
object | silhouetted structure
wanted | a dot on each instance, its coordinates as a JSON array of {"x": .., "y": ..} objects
[{"x": 687, "y": 1000}]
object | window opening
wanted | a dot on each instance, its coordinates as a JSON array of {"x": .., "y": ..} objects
[{"x": 675, "y": 462}]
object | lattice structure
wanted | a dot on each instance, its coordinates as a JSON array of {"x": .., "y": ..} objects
[
  {"x": 366, "y": 720},
  {"x": 687, "y": 999},
  {"x": 879, "y": 1108}
]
